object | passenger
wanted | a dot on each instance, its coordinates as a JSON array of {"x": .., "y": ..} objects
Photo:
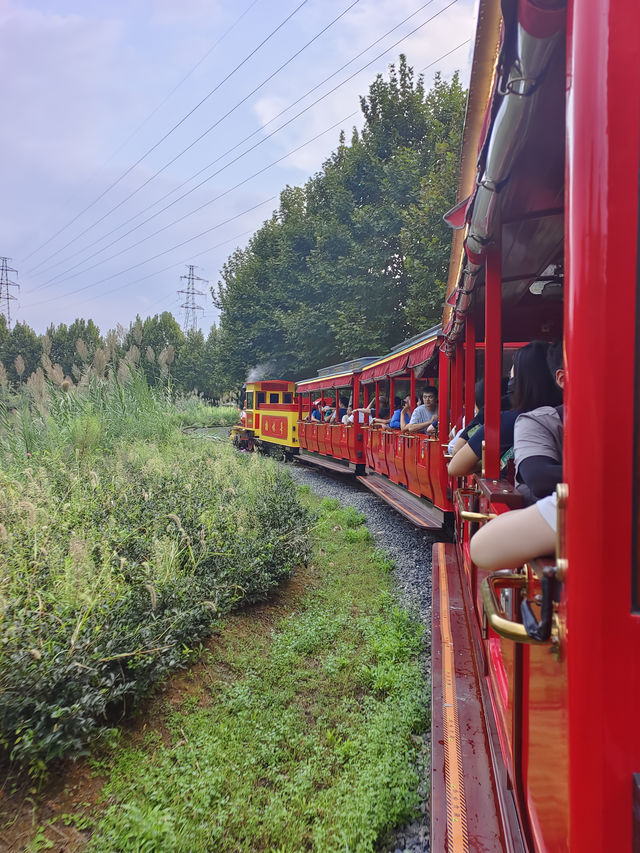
[
  {"x": 476, "y": 422},
  {"x": 347, "y": 418},
  {"x": 386, "y": 421},
  {"x": 383, "y": 410},
  {"x": 516, "y": 536},
  {"x": 538, "y": 438},
  {"x": 363, "y": 410},
  {"x": 327, "y": 413},
  {"x": 396, "y": 418},
  {"x": 315, "y": 413},
  {"x": 405, "y": 414},
  {"x": 341, "y": 411},
  {"x": 532, "y": 387},
  {"x": 425, "y": 414}
]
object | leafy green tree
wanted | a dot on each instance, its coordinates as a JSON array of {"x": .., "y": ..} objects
[{"x": 21, "y": 341}]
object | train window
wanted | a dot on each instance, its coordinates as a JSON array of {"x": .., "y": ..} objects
[
  {"x": 249, "y": 399},
  {"x": 287, "y": 397},
  {"x": 274, "y": 398},
  {"x": 261, "y": 397}
]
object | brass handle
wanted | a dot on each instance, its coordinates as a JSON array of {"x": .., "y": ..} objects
[
  {"x": 467, "y": 515},
  {"x": 498, "y": 622}
]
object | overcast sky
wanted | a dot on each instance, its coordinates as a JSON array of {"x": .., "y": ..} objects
[{"x": 89, "y": 88}]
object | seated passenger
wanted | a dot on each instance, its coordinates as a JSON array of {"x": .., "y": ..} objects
[
  {"x": 386, "y": 421},
  {"x": 362, "y": 411},
  {"x": 341, "y": 411},
  {"x": 315, "y": 413},
  {"x": 514, "y": 537},
  {"x": 347, "y": 418},
  {"x": 396, "y": 418},
  {"x": 532, "y": 387},
  {"x": 425, "y": 414},
  {"x": 538, "y": 438},
  {"x": 405, "y": 414}
]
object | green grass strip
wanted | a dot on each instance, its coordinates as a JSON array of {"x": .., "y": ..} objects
[{"x": 310, "y": 744}]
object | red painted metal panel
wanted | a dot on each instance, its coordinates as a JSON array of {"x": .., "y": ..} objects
[
  {"x": 400, "y": 443},
  {"x": 275, "y": 426},
  {"x": 390, "y": 456},
  {"x": 492, "y": 364},
  {"x": 313, "y": 436},
  {"x": 376, "y": 439},
  {"x": 601, "y": 244},
  {"x": 422, "y": 467},
  {"x": 410, "y": 463},
  {"x": 368, "y": 448}
]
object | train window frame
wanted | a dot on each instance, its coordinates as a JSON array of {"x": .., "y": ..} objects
[
  {"x": 287, "y": 398},
  {"x": 273, "y": 394},
  {"x": 261, "y": 398},
  {"x": 249, "y": 400}
]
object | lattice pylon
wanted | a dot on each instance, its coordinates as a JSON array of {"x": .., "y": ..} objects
[
  {"x": 6, "y": 296},
  {"x": 189, "y": 304}
]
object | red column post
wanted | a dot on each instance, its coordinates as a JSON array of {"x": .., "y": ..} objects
[
  {"x": 492, "y": 363},
  {"x": 469, "y": 370},
  {"x": 443, "y": 396}
]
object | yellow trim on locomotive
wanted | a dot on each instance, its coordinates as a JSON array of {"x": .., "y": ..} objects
[{"x": 271, "y": 413}]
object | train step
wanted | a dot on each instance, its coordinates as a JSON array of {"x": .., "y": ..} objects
[
  {"x": 324, "y": 462},
  {"x": 417, "y": 511},
  {"x": 472, "y": 807}
]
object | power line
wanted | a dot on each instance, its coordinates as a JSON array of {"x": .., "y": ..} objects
[
  {"x": 160, "y": 254},
  {"x": 194, "y": 142},
  {"x": 224, "y": 154},
  {"x": 60, "y": 275},
  {"x": 151, "y": 115},
  {"x": 208, "y": 203},
  {"x": 169, "y": 132}
]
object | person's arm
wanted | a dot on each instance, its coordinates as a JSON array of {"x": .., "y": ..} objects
[
  {"x": 540, "y": 474},
  {"x": 465, "y": 461},
  {"x": 511, "y": 539}
]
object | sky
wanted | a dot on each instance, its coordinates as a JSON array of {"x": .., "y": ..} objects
[{"x": 115, "y": 111}]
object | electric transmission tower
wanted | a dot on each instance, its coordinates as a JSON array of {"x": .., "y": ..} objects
[
  {"x": 189, "y": 304},
  {"x": 6, "y": 297}
]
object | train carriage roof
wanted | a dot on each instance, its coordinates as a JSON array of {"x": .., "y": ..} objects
[{"x": 515, "y": 202}]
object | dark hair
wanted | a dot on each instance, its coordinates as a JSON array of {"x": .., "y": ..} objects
[
  {"x": 397, "y": 402},
  {"x": 555, "y": 360},
  {"x": 479, "y": 393},
  {"x": 430, "y": 389},
  {"x": 343, "y": 401},
  {"x": 534, "y": 386}
]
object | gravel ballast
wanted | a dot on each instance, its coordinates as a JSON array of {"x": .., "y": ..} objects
[{"x": 410, "y": 549}]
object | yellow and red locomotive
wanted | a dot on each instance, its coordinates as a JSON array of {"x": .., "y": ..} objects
[{"x": 269, "y": 419}]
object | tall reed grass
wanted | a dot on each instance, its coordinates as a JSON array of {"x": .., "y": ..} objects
[{"x": 121, "y": 541}]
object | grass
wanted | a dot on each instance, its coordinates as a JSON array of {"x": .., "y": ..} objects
[
  {"x": 304, "y": 739},
  {"x": 122, "y": 542},
  {"x": 195, "y": 412}
]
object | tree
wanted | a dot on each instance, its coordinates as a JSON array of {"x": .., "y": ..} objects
[{"x": 22, "y": 341}]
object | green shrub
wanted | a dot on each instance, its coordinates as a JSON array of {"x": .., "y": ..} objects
[{"x": 118, "y": 555}]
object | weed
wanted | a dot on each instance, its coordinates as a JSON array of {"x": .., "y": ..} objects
[{"x": 311, "y": 746}]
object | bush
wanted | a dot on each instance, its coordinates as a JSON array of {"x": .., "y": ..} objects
[{"x": 116, "y": 564}]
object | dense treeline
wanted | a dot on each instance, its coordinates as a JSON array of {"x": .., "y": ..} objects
[
  {"x": 355, "y": 260},
  {"x": 157, "y": 346},
  {"x": 349, "y": 264}
]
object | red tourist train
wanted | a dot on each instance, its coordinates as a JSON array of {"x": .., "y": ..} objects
[{"x": 535, "y": 743}]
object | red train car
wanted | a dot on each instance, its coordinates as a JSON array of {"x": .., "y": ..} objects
[{"x": 535, "y": 743}]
